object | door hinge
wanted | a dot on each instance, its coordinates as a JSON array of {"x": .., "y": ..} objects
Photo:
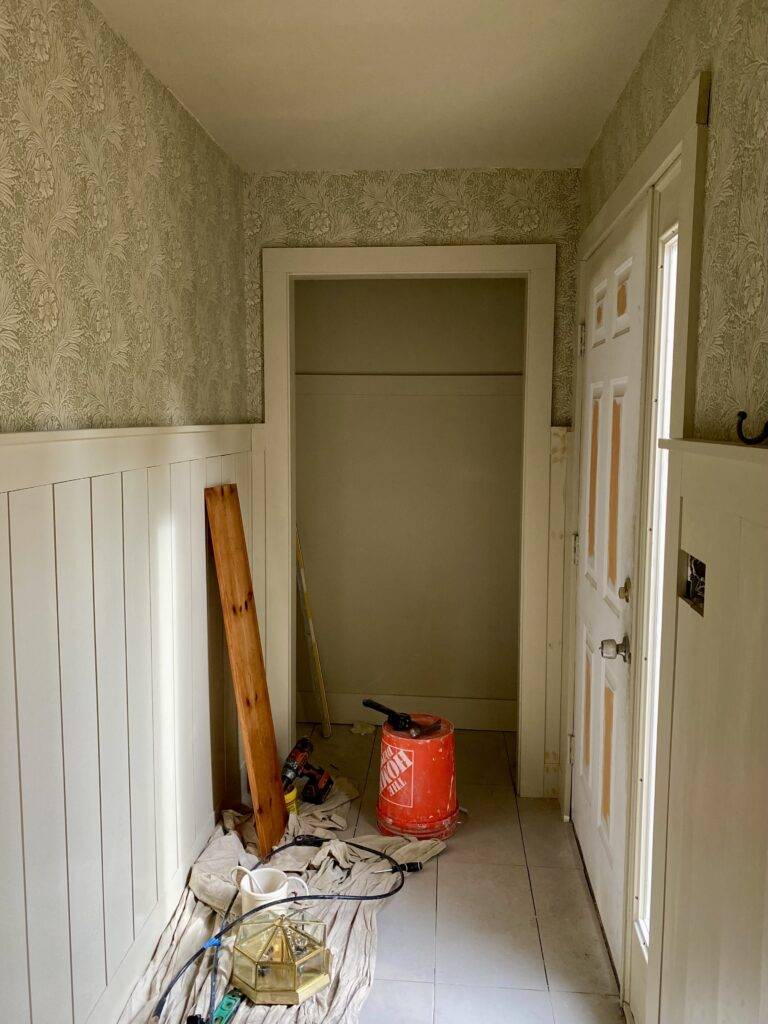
[
  {"x": 571, "y": 749},
  {"x": 582, "y": 338},
  {"x": 575, "y": 548}
]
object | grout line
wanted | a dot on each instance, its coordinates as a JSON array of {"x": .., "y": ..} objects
[
  {"x": 365, "y": 784},
  {"x": 510, "y": 766},
  {"x": 533, "y": 898}
]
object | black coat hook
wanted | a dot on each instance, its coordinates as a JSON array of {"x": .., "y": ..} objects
[{"x": 760, "y": 438}]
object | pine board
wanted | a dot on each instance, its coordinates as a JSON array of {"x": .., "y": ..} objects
[{"x": 247, "y": 662}]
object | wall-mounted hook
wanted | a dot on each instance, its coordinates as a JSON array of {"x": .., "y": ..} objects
[{"x": 760, "y": 438}]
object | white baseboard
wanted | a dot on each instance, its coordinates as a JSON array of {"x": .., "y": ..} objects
[{"x": 464, "y": 712}]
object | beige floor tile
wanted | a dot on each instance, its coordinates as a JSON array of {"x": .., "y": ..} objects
[
  {"x": 481, "y": 757},
  {"x": 573, "y": 1008},
  {"x": 549, "y": 841},
  {"x": 574, "y": 949},
  {"x": 366, "y": 822},
  {"x": 458, "y": 1004},
  {"x": 398, "y": 1002},
  {"x": 486, "y": 928},
  {"x": 510, "y": 740},
  {"x": 405, "y": 950},
  {"x": 344, "y": 753},
  {"x": 489, "y": 833}
]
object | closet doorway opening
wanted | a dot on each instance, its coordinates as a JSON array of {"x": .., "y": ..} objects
[{"x": 407, "y": 411}]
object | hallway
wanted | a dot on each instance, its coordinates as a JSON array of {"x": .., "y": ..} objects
[{"x": 501, "y": 928}]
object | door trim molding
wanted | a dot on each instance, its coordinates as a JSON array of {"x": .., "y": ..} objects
[
  {"x": 682, "y": 137},
  {"x": 536, "y": 263}
]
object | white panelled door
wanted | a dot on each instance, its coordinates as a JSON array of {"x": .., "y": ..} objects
[{"x": 615, "y": 290}]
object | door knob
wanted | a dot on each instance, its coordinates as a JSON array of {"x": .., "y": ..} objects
[{"x": 610, "y": 649}]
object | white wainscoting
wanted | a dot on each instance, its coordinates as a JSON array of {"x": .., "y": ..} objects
[
  {"x": 118, "y": 731},
  {"x": 710, "y": 869}
]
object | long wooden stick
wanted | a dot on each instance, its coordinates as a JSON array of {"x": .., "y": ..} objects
[
  {"x": 247, "y": 663},
  {"x": 309, "y": 633}
]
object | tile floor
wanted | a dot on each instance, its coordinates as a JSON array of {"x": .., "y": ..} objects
[{"x": 501, "y": 928}]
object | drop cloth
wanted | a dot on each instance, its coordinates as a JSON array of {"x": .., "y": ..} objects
[{"x": 335, "y": 867}]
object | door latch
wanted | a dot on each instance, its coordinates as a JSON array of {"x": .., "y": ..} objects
[
  {"x": 611, "y": 649},
  {"x": 625, "y": 589}
]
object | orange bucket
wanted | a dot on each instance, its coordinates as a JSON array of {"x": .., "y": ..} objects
[{"x": 417, "y": 781}]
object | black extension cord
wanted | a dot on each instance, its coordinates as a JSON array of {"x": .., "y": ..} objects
[{"x": 215, "y": 941}]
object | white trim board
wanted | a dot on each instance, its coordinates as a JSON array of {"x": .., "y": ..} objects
[
  {"x": 682, "y": 136},
  {"x": 28, "y": 460},
  {"x": 406, "y": 385},
  {"x": 464, "y": 712},
  {"x": 662, "y": 150},
  {"x": 536, "y": 263}
]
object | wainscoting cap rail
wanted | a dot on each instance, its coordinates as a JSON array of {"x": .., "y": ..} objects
[
  {"x": 32, "y": 459},
  {"x": 717, "y": 449},
  {"x": 108, "y": 433}
]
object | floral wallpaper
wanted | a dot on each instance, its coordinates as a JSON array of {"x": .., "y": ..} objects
[
  {"x": 731, "y": 37},
  {"x": 121, "y": 237},
  {"x": 430, "y": 207}
]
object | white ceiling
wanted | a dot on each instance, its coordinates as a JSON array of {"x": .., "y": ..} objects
[{"x": 395, "y": 84}]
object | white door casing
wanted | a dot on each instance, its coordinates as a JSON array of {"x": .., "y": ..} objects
[
  {"x": 536, "y": 263},
  {"x": 615, "y": 291},
  {"x": 659, "y": 363}
]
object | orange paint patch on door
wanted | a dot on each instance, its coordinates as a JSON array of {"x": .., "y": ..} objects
[
  {"x": 605, "y": 795},
  {"x": 613, "y": 497},
  {"x": 586, "y": 736},
  {"x": 621, "y": 298},
  {"x": 593, "y": 462}
]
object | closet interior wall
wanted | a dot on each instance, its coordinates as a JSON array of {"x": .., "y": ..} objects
[{"x": 409, "y": 402}]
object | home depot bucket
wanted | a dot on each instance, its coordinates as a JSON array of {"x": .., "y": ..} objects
[{"x": 417, "y": 782}]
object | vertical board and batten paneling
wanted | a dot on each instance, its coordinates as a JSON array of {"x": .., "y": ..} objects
[
  {"x": 41, "y": 753},
  {"x": 113, "y": 696},
  {"x": 259, "y": 552},
  {"x": 164, "y": 700},
  {"x": 561, "y": 438},
  {"x": 80, "y": 730},
  {"x": 715, "y": 907},
  {"x": 12, "y": 889},
  {"x": 182, "y": 657},
  {"x": 202, "y": 786},
  {"x": 109, "y": 614},
  {"x": 138, "y": 660},
  {"x": 218, "y": 677}
]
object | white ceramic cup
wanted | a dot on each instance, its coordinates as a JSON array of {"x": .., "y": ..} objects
[{"x": 264, "y": 885}]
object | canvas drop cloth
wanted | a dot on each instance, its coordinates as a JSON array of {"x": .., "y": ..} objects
[{"x": 335, "y": 867}]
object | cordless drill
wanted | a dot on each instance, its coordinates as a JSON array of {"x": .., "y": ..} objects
[{"x": 318, "y": 782}]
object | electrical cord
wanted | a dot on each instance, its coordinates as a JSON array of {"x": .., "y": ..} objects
[
  {"x": 215, "y": 941},
  {"x": 215, "y": 964}
]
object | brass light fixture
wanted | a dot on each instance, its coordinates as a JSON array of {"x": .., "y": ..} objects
[{"x": 281, "y": 961}]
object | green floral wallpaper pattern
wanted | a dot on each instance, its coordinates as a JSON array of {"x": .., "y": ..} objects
[
  {"x": 730, "y": 36},
  {"x": 121, "y": 239},
  {"x": 429, "y": 207}
]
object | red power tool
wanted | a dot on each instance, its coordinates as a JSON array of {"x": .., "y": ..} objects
[{"x": 318, "y": 782}]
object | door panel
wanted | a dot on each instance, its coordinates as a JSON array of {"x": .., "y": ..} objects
[{"x": 613, "y": 361}]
